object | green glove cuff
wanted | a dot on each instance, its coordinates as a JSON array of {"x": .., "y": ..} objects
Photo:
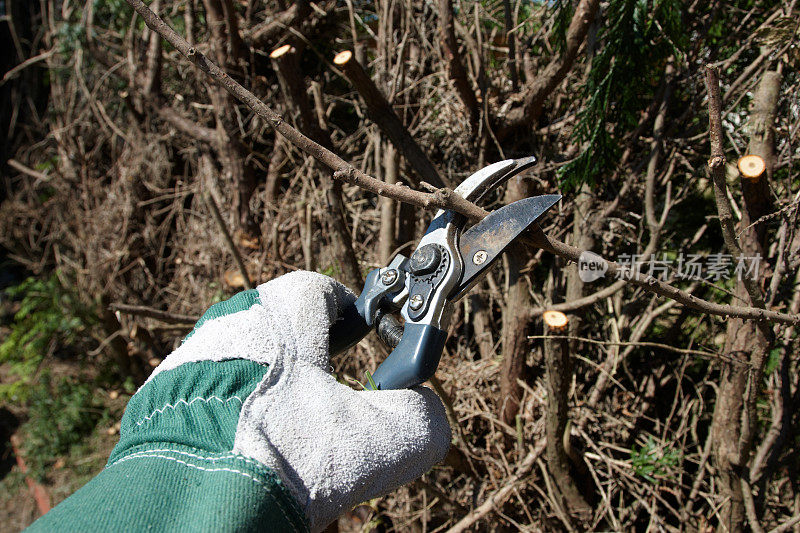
[
  {"x": 173, "y": 469},
  {"x": 195, "y": 404},
  {"x": 167, "y": 487}
]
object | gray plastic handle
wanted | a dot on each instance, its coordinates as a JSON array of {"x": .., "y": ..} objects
[
  {"x": 414, "y": 360},
  {"x": 417, "y": 347}
]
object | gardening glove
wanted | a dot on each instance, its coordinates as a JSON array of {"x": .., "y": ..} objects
[{"x": 244, "y": 428}]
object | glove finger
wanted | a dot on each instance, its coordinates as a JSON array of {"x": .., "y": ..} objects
[
  {"x": 288, "y": 316},
  {"x": 414, "y": 423},
  {"x": 306, "y": 304},
  {"x": 407, "y": 433},
  {"x": 335, "y": 447}
]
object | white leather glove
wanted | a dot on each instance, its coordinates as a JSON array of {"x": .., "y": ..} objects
[{"x": 333, "y": 447}]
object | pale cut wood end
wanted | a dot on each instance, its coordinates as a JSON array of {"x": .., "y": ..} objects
[
  {"x": 555, "y": 320},
  {"x": 281, "y": 50},
  {"x": 342, "y": 57},
  {"x": 751, "y": 166}
]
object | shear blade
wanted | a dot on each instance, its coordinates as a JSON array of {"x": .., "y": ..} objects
[
  {"x": 483, "y": 243},
  {"x": 488, "y": 178}
]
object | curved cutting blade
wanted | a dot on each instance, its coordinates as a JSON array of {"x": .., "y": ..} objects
[
  {"x": 443, "y": 226},
  {"x": 482, "y": 244},
  {"x": 488, "y": 178}
]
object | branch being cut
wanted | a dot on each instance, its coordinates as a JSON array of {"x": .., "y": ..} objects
[{"x": 442, "y": 199}]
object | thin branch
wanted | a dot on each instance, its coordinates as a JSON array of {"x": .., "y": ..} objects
[
  {"x": 644, "y": 344},
  {"x": 151, "y": 87},
  {"x": 11, "y": 74},
  {"x": 455, "y": 67},
  {"x": 554, "y": 73},
  {"x": 511, "y": 43},
  {"x": 208, "y": 196},
  {"x": 750, "y": 507},
  {"x": 538, "y": 239},
  {"x": 497, "y": 498},
  {"x": 442, "y": 199},
  {"x": 786, "y": 526},
  {"x": 150, "y": 312},
  {"x": 580, "y": 303},
  {"x": 287, "y": 66},
  {"x": 260, "y": 34},
  {"x": 343, "y": 169},
  {"x": 381, "y": 112},
  {"x": 717, "y": 167},
  {"x": 13, "y": 163},
  {"x": 186, "y": 125}
]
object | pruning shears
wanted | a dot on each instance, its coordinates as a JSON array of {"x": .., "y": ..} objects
[{"x": 424, "y": 287}]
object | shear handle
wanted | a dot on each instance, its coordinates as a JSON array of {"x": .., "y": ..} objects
[
  {"x": 369, "y": 310},
  {"x": 416, "y": 353},
  {"x": 414, "y": 360},
  {"x": 350, "y": 328}
]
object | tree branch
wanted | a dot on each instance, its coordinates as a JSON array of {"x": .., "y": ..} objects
[
  {"x": 150, "y": 312},
  {"x": 554, "y": 73},
  {"x": 293, "y": 85},
  {"x": 455, "y": 67},
  {"x": 381, "y": 112},
  {"x": 442, "y": 199},
  {"x": 498, "y": 497},
  {"x": 186, "y": 125},
  {"x": 717, "y": 167},
  {"x": 262, "y": 33},
  {"x": 538, "y": 239},
  {"x": 209, "y": 197},
  {"x": 343, "y": 169}
]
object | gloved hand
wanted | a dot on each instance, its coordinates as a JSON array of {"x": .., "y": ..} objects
[{"x": 247, "y": 417}]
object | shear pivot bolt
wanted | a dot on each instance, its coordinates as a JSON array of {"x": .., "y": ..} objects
[
  {"x": 415, "y": 302},
  {"x": 425, "y": 260},
  {"x": 480, "y": 257},
  {"x": 389, "y": 277}
]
